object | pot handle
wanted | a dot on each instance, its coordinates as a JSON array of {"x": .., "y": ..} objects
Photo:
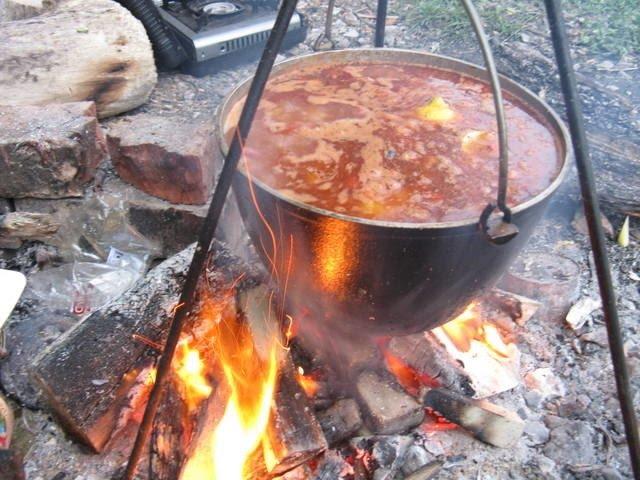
[{"x": 498, "y": 229}]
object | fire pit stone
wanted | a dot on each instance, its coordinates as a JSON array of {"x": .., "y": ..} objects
[
  {"x": 387, "y": 409},
  {"x": 172, "y": 160},
  {"x": 340, "y": 421}
]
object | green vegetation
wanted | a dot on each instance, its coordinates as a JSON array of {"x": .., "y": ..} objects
[{"x": 609, "y": 26}]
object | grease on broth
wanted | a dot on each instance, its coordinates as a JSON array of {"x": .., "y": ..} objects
[{"x": 394, "y": 142}]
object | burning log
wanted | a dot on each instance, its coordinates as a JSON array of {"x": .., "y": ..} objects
[
  {"x": 186, "y": 436},
  {"x": 88, "y": 374},
  {"x": 294, "y": 434},
  {"x": 427, "y": 357},
  {"x": 170, "y": 434},
  {"x": 82, "y": 50},
  {"x": 487, "y": 422}
]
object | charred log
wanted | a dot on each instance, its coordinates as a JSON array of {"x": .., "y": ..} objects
[
  {"x": 294, "y": 434},
  {"x": 88, "y": 374},
  {"x": 426, "y": 356}
]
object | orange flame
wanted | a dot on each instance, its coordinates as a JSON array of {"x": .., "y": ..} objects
[
  {"x": 307, "y": 382},
  {"x": 190, "y": 369},
  {"x": 469, "y": 326},
  {"x": 225, "y": 453}
]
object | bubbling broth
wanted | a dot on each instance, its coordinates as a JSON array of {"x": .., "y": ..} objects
[{"x": 383, "y": 141}]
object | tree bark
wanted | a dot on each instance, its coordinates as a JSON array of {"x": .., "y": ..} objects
[{"x": 81, "y": 50}]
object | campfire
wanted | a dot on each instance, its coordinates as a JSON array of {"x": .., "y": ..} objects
[
  {"x": 250, "y": 396},
  {"x": 360, "y": 314}
]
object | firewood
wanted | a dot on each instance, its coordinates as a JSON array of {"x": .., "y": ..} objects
[
  {"x": 617, "y": 164},
  {"x": 426, "y": 356},
  {"x": 18, "y": 226},
  {"x": 81, "y": 50},
  {"x": 180, "y": 425},
  {"x": 487, "y": 422},
  {"x": 87, "y": 374},
  {"x": 294, "y": 433},
  {"x": 171, "y": 434}
]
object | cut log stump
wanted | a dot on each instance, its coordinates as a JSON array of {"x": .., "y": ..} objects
[
  {"x": 81, "y": 50},
  {"x": 48, "y": 151},
  {"x": 169, "y": 160}
]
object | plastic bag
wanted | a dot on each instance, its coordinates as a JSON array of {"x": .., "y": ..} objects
[
  {"x": 97, "y": 227},
  {"x": 81, "y": 287},
  {"x": 108, "y": 256}
]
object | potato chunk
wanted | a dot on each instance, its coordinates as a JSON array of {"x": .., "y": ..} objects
[{"x": 436, "y": 110}]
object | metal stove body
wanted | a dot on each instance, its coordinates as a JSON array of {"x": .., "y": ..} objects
[{"x": 209, "y": 29}]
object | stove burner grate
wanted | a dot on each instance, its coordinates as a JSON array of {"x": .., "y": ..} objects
[{"x": 222, "y": 9}]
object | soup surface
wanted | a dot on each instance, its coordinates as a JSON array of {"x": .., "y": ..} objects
[{"x": 392, "y": 142}]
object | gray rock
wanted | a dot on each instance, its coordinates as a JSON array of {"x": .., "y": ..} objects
[
  {"x": 610, "y": 473},
  {"x": 389, "y": 452},
  {"x": 533, "y": 399},
  {"x": 386, "y": 408},
  {"x": 537, "y": 433},
  {"x": 574, "y": 406},
  {"x": 4, "y": 206},
  {"x": 546, "y": 466},
  {"x": 351, "y": 33},
  {"x": 415, "y": 458},
  {"x": 382, "y": 474},
  {"x": 340, "y": 421},
  {"x": 571, "y": 444}
]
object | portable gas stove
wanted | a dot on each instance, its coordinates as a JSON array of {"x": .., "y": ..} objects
[{"x": 213, "y": 28}]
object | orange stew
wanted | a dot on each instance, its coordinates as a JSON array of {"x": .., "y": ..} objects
[{"x": 404, "y": 143}]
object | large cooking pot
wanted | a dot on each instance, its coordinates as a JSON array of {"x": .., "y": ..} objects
[{"x": 381, "y": 277}]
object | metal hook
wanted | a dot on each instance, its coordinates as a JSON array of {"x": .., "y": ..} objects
[{"x": 499, "y": 230}]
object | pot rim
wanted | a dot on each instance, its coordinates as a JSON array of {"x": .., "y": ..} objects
[{"x": 520, "y": 92}]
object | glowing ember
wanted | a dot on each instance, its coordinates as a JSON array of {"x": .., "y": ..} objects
[
  {"x": 225, "y": 453},
  {"x": 307, "y": 382},
  {"x": 410, "y": 380}
]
